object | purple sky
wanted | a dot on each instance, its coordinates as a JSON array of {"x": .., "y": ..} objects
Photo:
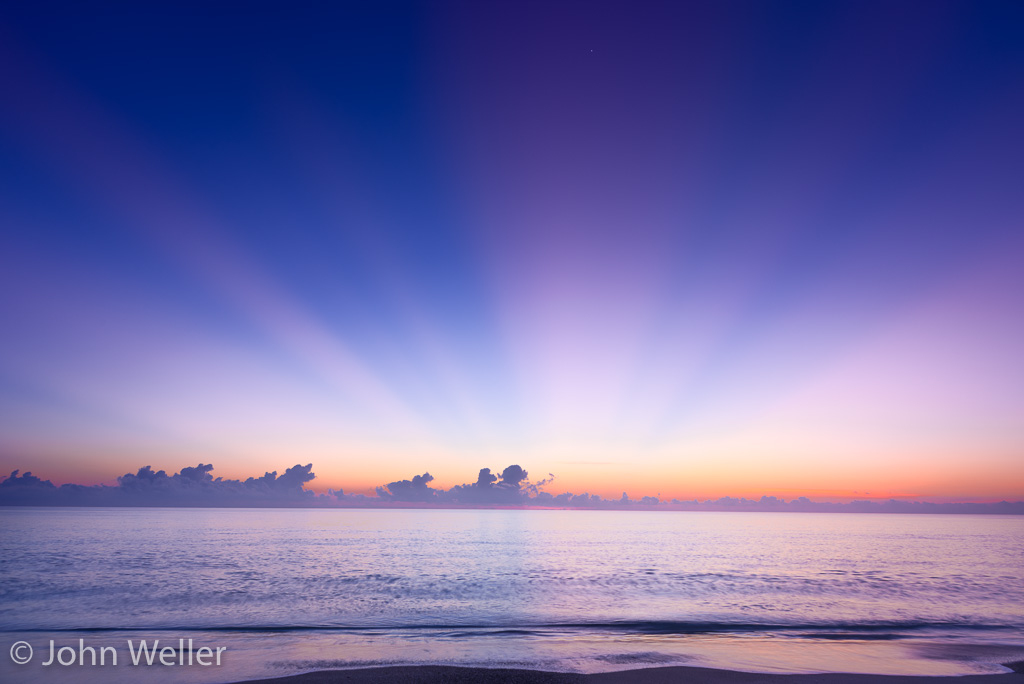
[{"x": 685, "y": 249}]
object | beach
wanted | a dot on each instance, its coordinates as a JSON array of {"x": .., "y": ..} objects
[
  {"x": 449, "y": 595},
  {"x": 654, "y": 675}
]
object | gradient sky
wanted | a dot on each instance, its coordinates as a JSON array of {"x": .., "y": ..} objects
[{"x": 683, "y": 249}]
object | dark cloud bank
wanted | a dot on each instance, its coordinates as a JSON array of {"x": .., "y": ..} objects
[{"x": 195, "y": 486}]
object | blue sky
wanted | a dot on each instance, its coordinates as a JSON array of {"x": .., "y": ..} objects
[{"x": 688, "y": 248}]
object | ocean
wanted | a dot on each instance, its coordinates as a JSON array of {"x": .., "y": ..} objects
[{"x": 284, "y": 591}]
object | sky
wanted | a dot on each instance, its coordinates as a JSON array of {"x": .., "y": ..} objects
[{"x": 682, "y": 249}]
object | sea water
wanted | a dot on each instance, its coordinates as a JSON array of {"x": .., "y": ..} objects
[{"x": 293, "y": 590}]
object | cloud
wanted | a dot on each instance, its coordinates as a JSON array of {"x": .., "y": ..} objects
[
  {"x": 27, "y": 483},
  {"x": 192, "y": 486},
  {"x": 508, "y": 489},
  {"x": 196, "y": 486},
  {"x": 413, "y": 491},
  {"x": 512, "y": 476},
  {"x": 511, "y": 487},
  {"x": 484, "y": 480}
]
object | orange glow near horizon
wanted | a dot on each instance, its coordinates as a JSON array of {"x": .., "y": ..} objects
[{"x": 717, "y": 473}]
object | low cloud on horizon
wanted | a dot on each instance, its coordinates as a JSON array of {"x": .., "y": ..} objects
[{"x": 196, "y": 487}]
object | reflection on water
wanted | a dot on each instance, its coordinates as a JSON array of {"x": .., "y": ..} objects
[{"x": 562, "y": 590}]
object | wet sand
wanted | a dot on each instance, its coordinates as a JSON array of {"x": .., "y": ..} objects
[{"x": 432, "y": 674}]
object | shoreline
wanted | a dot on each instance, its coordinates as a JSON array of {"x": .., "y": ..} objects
[{"x": 452, "y": 674}]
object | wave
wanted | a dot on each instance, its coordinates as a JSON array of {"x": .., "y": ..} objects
[{"x": 836, "y": 630}]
